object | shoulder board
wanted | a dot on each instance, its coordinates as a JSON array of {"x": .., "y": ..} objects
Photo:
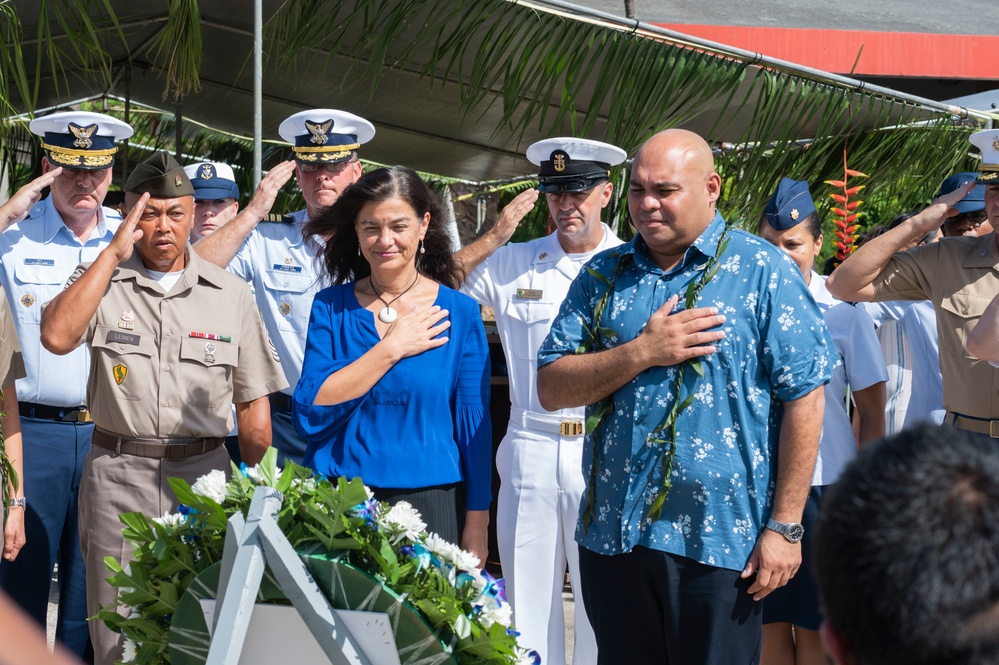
[{"x": 279, "y": 218}]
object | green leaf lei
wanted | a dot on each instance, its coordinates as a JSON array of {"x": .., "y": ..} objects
[{"x": 606, "y": 406}]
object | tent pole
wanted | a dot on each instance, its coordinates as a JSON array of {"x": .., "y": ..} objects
[{"x": 258, "y": 79}]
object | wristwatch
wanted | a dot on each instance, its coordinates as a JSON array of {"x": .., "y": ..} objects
[
  {"x": 17, "y": 503},
  {"x": 792, "y": 532}
]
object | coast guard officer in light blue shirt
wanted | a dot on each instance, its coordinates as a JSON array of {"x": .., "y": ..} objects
[
  {"x": 274, "y": 257},
  {"x": 41, "y": 244}
]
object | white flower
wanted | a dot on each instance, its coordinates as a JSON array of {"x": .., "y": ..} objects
[
  {"x": 129, "y": 651},
  {"x": 451, "y": 554},
  {"x": 211, "y": 486},
  {"x": 171, "y": 520},
  {"x": 496, "y": 613},
  {"x": 402, "y": 520},
  {"x": 307, "y": 486},
  {"x": 253, "y": 473},
  {"x": 367, "y": 490}
]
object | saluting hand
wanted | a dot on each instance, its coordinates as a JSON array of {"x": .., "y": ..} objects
[
  {"x": 267, "y": 191},
  {"x": 417, "y": 331},
  {"x": 127, "y": 234},
  {"x": 15, "y": 209},
  {"x": 934, "y": 215},
  {"x": 512, "y": 214},
  {"x": 670, "y": 339}
]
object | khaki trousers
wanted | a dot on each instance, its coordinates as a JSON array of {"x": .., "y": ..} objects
[{"x": 112, "y": 485}]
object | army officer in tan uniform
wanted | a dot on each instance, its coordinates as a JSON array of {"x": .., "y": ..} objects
[{"x": 174, "y": 340}]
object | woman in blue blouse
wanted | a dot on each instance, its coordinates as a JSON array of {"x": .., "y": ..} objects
[{"x": 395, "y": 381}]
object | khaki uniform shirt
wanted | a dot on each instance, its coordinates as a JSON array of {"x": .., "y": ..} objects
[
  {"x": 170, "y": 365},
  {"x": 11, "y": 362},
  {"x": 960, "y": 276}
]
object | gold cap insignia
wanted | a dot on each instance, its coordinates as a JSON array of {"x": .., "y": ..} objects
[
  {"x": 120, "y": 371},
  {"x": 794, "y": 214},
  {"x": 206, "y": 172},
  {"x": 27, "y": 300},
  {"x": 319, "y": 131},
  {"x": 82, "y": 134},
  {"x": 558, "y": 162}
]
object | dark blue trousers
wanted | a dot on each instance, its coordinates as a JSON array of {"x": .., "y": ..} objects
[
  {"x": 53, "y": 461},
  {"x": 287, "y": 441},
  {"x": 652, "y": 608}
]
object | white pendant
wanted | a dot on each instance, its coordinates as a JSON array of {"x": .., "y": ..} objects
[{"x": 387, "y": 315}]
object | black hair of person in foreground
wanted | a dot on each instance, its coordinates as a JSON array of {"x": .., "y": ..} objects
[{"x": 908, "y": 552}]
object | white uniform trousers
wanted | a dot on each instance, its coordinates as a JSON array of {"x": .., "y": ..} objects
[{"x": 537, "y": 509}]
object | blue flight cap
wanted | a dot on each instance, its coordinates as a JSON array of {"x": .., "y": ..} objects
[
  {"x": 974, "y": 200},
  {"x": 212, "y": 181},
  {"x": 790, "y": 204}
]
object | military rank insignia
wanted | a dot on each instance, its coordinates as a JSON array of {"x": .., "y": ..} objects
[
  {"x": 120, "y": 371},
  {"x": 82, "y": 134}
]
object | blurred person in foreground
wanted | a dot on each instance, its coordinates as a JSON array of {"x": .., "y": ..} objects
[
  {"x": 791, "y": 222},
  {"x": 395, "y": 384},
  {"x": 907, "y": 552}
]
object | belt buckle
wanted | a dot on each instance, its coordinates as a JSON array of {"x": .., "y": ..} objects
[
  {"x": 994, "y": 429},
  {"x": 181, "y": 449},
  {"x": 570, "y": 428},
  {"x": 83, "y": 416}
]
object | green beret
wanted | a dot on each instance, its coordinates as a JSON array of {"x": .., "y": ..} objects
[{"x": 161, "y": 177}]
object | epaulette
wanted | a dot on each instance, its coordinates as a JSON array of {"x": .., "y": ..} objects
[{"x": 277, "y": 217}]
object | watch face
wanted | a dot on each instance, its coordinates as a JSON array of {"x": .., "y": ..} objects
[{"x": 795, "y": 532}]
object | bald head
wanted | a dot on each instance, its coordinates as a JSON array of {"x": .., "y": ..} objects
[
  {"x": 672, "y": 193},
  {"x": 679, "y": 145}
]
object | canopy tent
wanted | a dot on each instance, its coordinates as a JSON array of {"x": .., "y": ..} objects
[{"x": 461, "y": 87}]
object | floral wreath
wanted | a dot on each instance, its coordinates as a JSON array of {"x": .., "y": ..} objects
[{"x": 464, "y": 607}]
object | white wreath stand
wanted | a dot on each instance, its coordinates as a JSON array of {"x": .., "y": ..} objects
[{"x": 251, "y": 545}]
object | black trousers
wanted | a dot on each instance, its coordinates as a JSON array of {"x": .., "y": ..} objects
[{"x": 650, "y": 607}]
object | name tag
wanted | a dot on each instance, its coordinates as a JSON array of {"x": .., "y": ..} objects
[
  {"x": 529, "y": 294},
  {"x": 39, "y": 262},
  {"x": 122, "y": 337},
  {"x": 283, "y": 268}
]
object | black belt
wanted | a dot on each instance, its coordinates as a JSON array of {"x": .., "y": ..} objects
[
  {"x": 64, "y": 414},
  {"x": 280, "y": 402},
  {"x": 170, "y": 449}
]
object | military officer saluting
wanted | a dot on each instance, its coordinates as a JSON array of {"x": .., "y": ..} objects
[
  {"x": 540, "y": 458},
  {"x": 42, "y": 242},
  {"x": 275, "y": 258},
  {"x": 174, "y": 341}
]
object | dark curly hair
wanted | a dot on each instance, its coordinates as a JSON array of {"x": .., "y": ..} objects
[{"x": 342, "y": 260}]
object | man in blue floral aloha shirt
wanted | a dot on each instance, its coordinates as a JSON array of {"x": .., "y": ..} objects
[{"x": 670, "y": 571}]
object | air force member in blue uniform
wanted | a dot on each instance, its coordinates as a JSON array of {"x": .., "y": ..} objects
[
  {"x": 275, "y": 258},
  {"x": 540, "y": 459},
  {"x": 37, "y": 254}
]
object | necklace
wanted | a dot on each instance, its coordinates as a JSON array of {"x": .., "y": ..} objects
[{"x": 389, "y": 315}]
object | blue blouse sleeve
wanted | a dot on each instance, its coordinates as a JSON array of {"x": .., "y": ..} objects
[
  {"x": 312, "y": 421},
  {"x": 472, "y": 428}
]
